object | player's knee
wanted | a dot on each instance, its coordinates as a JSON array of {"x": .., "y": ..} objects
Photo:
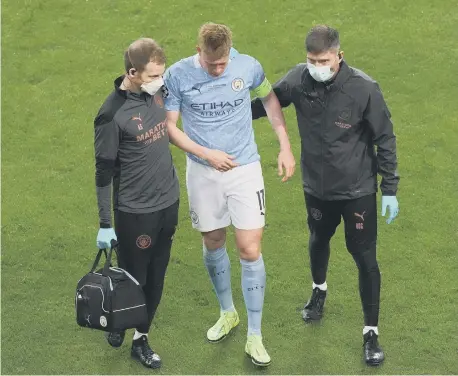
[
  {"x": 214, "y": 239},
  {"x": 249, "y": 243},
  {"x": 250, "y": 252}
]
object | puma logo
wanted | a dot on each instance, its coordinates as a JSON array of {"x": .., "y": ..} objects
[
  {"x": 140, "y": 121},
  {"x": 197, "y": 87},
  {"x": 357, "y": 215}
]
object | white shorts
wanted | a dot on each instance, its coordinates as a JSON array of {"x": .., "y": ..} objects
[{"x": 217, "y": 199}]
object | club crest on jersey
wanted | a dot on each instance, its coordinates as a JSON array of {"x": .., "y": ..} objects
[
  {"x": 237, "y": 84},
  {"x": 345, "y": 114}
]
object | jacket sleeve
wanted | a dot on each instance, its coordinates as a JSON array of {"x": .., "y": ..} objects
[
  {"x": 282, "y": 90},
  {"x": 378, "y": 117},
  {"x": 106, "y": 144}
]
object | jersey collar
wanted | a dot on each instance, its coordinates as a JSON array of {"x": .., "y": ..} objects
[{"x": 127, "y": 93}]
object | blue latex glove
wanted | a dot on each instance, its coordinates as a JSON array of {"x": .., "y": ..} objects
[
  {"x": 104, "y": 238},
  {"x": 392, "y": 203}
]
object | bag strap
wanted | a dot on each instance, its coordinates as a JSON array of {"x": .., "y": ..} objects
[
  {"x": 108, "y": 255},
  {"x": 97, "y": 259},
  {"x": 106, "y": 267}
]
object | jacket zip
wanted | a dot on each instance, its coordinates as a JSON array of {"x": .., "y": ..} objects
[{"x": 324, "y": 105}]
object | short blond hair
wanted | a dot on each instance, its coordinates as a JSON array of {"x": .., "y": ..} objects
[{"x": 215, "y": 39}]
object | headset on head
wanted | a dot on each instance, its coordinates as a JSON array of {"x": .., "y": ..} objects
[{"x": 132, "y": 70}]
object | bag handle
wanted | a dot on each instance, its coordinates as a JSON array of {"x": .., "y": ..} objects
[{"x": 106, "y": 267}]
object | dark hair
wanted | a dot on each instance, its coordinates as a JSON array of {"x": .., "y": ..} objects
[
  {"x": 322, "y": 38},
  {"x": 141, "y": 52}
]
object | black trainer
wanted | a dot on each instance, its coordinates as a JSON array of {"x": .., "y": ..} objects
[
  {"x": 313, "y": 309},
  {"x": 142, "y": 352},
  {"x": 373, "y": 353},
  {"x": 115, "y": 339}
]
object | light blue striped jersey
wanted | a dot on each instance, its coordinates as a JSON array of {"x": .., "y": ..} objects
[{"x": 216, "y": 111}]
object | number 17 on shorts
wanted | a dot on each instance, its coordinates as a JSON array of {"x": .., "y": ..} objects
[{"x": 261, "y": 201}]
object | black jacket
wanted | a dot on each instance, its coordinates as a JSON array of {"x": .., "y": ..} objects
[
  {"x": 132, "y": 150},
  {"x": 339, "y": 123}
]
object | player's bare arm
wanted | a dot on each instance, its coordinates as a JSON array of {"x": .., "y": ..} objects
[
  {"x": 218, "y": 159},
  {"x": 286, "y": 161}
]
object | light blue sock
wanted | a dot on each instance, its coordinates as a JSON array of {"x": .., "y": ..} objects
[
  {"x": 219, "y": 270},
  {"x": 253, "y": 286}
]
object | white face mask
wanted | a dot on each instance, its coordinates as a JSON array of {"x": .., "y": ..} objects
[
  {"x": 320, "y": 74},
  {"x": 152, "y": 87}
]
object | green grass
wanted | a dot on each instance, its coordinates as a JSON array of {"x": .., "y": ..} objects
[{"x": 59, "y": 59}]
